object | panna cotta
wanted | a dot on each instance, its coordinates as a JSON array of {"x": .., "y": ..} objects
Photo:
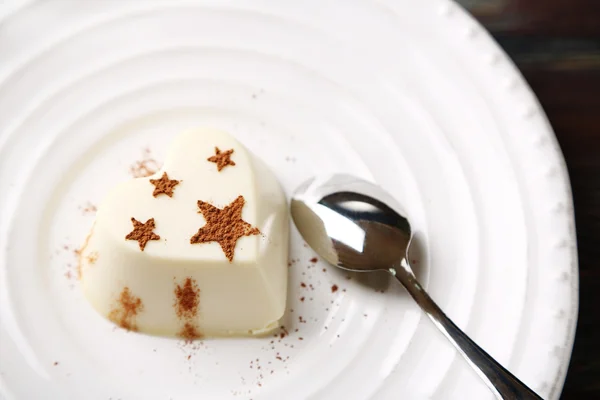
[{"x": 198, "y": 249}]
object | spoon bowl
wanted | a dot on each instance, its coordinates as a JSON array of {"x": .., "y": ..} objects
[
  {"x": 357, "y": 226},
  {"x": 343, "y": 220}
]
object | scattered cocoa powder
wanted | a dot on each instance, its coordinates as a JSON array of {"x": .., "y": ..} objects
[
  {"x": 88, "y": 209},
  {"x": 314, "y": 260},
  {"x": 303, "y": 284},
  {"x": 145, "y": 167},
  {"x": 334, "y": 288},
  {"x": 127, "y": 309}
]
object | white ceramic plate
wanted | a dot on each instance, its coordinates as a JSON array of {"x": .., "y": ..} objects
[{"x": 413, "y": 95}]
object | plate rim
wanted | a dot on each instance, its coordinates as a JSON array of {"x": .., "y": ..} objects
[{"x": 562, "y": 177}]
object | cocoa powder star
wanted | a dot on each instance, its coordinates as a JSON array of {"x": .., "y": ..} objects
[
  {"x": 142, "y": 232},
  {"x": 222, "y": 159},
  {"x": 224, "y": 226},
  {"x": 164, "y": 185}
]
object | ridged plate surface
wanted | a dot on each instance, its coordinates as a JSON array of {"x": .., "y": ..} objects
[{"x": 413, "y": 95}]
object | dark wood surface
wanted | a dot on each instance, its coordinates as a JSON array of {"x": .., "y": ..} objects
[{"x": 556, "y": 45}]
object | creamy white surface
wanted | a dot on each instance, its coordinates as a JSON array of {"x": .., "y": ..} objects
[{"x": 246, "y": 296}]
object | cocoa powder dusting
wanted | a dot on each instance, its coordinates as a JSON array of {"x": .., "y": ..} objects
[
  {"x": 88, "y": 209},
  {"x": 145, "y": 167},
  {"x": 92, "y": 257},
  {"x": 189, "y": 332},
  {"x": 187, "y": 299},
  {"x": 127, "y": 309},
  {"x": 187, "y": 302},
  {"x": 334, "y": 288}
]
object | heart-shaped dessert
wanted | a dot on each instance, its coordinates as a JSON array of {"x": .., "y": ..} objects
[{"x": 198, "y": 249}]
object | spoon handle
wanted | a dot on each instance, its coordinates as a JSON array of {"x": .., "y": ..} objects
[{"x": 504, "y": 384}]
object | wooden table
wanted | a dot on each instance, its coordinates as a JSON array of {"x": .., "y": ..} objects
[{"x": 556, "y": 45}]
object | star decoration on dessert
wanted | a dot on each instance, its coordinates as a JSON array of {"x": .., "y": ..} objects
[
  {"x": 222, "y": 159},
  {"x": 224, "y": 226},
  {"x": 164, "y": 185},
  {"x": 142, "y": 232}
]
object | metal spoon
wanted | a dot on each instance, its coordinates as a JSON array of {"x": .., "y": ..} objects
[{"x": 349, "y": 223}]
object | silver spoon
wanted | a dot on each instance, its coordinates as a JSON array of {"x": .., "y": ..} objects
[{"x": 349, "y": 223}]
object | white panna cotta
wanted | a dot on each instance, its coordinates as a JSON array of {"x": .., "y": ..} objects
[{"x": 198, "y": 249}]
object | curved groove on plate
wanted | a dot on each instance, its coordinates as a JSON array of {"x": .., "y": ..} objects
[
  {"x": 480, "y": 289},
  {"x": 527, "y": 209},
  {"x": 117, "y": 17},
  {"x": 123, "y": 16},
  {"x": 564, "y": 182},
  {"x": 49, "y": 95},
  {"x": 517, "y": 80},
  {"x": 530, "y": 246},
  {"x": 479, "y": 248},
  {"x": 13, "y": 8}
]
